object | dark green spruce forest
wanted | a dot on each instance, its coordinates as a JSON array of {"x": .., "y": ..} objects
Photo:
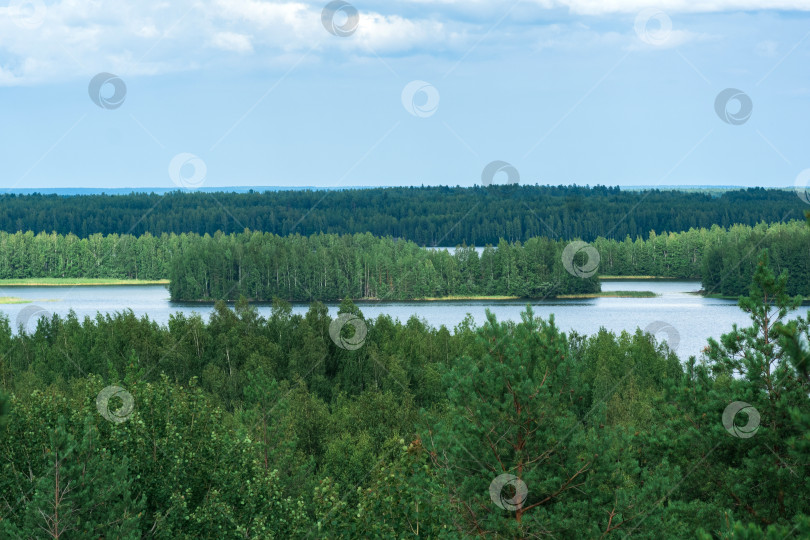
[
  {"x": 304, "y": 426},
  {"x": 429, "y": 216}
]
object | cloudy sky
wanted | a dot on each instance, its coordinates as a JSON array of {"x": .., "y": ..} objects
[{"x": 408, "y": 92}]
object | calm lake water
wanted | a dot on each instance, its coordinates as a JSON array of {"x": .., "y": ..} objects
[{"x": 677, "y": 315}]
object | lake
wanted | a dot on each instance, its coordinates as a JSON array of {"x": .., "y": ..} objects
[{"x": 678, "y": 315}]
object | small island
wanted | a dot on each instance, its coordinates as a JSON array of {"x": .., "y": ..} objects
[{"x": 13, "y": 300}]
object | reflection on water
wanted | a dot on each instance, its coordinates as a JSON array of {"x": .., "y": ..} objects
[{"x": 695, "y": 318}]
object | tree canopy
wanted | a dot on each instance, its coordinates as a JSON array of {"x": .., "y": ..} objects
[
  {"x": 429, "y": 216},
  {"x": 277, "y": 427}
]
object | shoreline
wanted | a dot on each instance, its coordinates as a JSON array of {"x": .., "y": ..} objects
[
  {"x": 611, "y": 294},
  {"x": 78, "y": 282},
  {"x": 804, "y": 302},
  {"x": 604, "y": 294},
  {"x": 651, "y": 278}
]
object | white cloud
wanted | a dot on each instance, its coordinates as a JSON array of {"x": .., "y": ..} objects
[
  {"x": 394, "y": 33},
  {"x": 84, "y": 37},
  {"x": 231, "y": 41},
  {"x": 88, "y": 36},
  {"x": 600, "y": 7},
  {"x": 603, "y": 7},
  {"x": 674, "y": 38}
]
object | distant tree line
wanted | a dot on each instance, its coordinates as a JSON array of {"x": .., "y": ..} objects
[
  {"x": 261, "y": 266},
  {"x": 429, "y": 216}
]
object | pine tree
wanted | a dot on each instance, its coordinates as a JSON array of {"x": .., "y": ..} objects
[
  {"x": 86, "y": 493},
  {"x": 764, "y": 474},
  {"x": 517, "y": 455}
]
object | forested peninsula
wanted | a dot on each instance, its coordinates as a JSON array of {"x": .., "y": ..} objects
[{"x": 327, "y": 267}]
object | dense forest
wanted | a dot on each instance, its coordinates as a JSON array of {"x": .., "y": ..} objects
[
  {"x": 327, "y": 267},
  {"x": 29, "y": 255},
  {"x": 330, "y": 267},
  {"x": 723, "y": 259},
  {"x": 252, "y": 427},
  {"x": 729, "y": 263},
  {"x": 429, "y": 216}
]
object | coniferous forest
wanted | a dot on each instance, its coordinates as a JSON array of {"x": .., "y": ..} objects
[
  {"x": 263, "y": 266},
  {"x": 429, "y": 216},
  {"x": 308, "y": 426}
]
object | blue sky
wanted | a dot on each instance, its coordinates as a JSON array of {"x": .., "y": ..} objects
[{"x": 567, "y": 91}]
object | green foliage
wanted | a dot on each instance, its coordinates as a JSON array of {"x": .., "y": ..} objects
[
  {"x": 4, "y": 407},
  {"x": 760, "y": 476},
  {"x": 330, "y": 267},
  {"x": 118, "y": 256},
  {"x": 74, "y": 486},
  {"x": 425, "y": 215},
  {"x": 253, "y": 427},
  {"x": 731, "y": 260},
  {"x": 263, "y": 266},
  {"x": 524, "y": 407}
]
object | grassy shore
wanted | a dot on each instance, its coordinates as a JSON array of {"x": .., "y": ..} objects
[
  {"x": 644, "y": 277},
  {"x": 805, "y": 300},
  {"x": 81, "y": 282},
  {"x": 605, "y": 294},
  {"x": 612, "y": 294},
  {"x": 13, "y": 300},
  {"x": 718, "y": 296},
  {"x": 443, "y": 298}
]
